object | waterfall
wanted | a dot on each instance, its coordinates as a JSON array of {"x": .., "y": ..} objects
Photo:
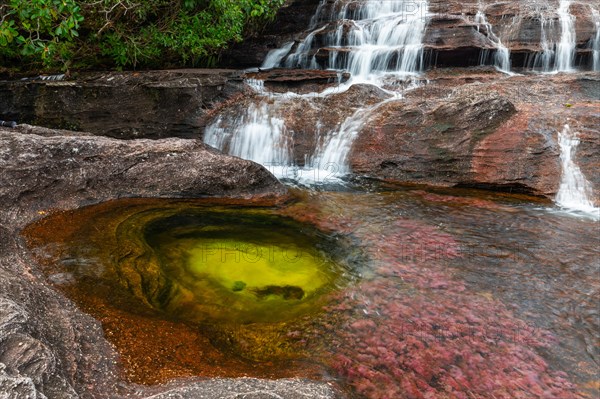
[
  {"x": 275, "y": 56},
  {"x": 302, "y": 57},
  {"x": 556, "y": 55},
  {"x": 372, "y": 40},
  {"x": 544, "y": 59},
  {"x": 595, "y": 44},
  {"x": 565, "y": 50},
  {"x": 332, "y": 154},
  {"x": 575, "y": 190},
  {"x": 368, "y": 39},
  {"x": 256, "y": 135},
  {"x": 502, "y": 54}
]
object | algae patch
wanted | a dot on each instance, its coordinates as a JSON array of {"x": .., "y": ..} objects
[
  {"x": 237, "y": 266},
  {"x": 247, "y": 279}
]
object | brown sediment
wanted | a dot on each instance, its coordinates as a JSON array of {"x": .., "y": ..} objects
[{"x": 153, "y": 349}]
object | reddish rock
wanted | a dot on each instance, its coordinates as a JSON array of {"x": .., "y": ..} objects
[
  {"x": 494, "y": 134},
  {"x": 510, "y": 157},
  {"x": 415, "y": 141}
]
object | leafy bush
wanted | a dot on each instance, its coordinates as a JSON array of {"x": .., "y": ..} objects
[
  {"x": 39, "y": 29},
  {"x": 126, "y": 33}
]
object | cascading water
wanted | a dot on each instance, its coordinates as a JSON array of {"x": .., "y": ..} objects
[
  {"x": 372, "y": 40},
  {"x": 502, "y": 54},
  {"x": 334, "y": 151},
  {"x": 565, "y": 50},
  {"x": 332, "y": 155},
  {"x": 574, "y": 191},
  {"x": 275, "y": 56},
  {"x": 595, "y": 44},
  {"x": 543, "y": 59},
  {"x": 257, "y": 135},
  {"x": 556, "y": 55},
  {"x": 302, "y": 56},
  {"x": 375, "y": 38}
]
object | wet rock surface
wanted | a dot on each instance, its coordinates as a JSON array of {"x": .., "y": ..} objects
[
  {"x": 473, "y": 131},
  {"x": 470, "y": 127},
  {"x": 49, "y": 348},
  {"x": 453, "y": 38},
  {"x": 465, "y": 127},
  {"x": 298, "y": 80}
]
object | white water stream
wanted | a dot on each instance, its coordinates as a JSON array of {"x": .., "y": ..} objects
[
  {"x": 575, "y": 190},
  {"x": 275, "y": 56},
  {"x": 502, "y": 54},
  {"x": 565, "y": 50},
  {"x": 373, "y": 41},
  {"x": 543, "y": 60},
  {"x": 596, "y": 41},
  {"x": 367, "y": 40},
  {"x": 332, "y": 155},
  {"x": 376, "y": 40},
  {"x": 556, "y": 55},
  {"x": 256, "y": 135}
]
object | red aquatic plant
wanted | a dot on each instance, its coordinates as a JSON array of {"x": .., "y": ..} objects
[{"x": 411, "y": 330}]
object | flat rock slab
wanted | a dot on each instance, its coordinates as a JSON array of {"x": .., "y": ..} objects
[
  {"x": 298, "y": 80},
  {"x": 127, "y": 105},
  {"x": 42, "y": 171}
]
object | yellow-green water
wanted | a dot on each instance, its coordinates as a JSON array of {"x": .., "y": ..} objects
[
  {"x": 239, "y": 267},
  {"x": 244, "y": 277}
]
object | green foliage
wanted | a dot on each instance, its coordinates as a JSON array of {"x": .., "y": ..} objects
[
  {"x": 41, "y": 29},
  {"x": 126, "y": 33}
]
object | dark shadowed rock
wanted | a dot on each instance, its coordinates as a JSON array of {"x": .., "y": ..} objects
[
  {"x": 451, "y": 40},
  {"x": 155, "y": 104}
]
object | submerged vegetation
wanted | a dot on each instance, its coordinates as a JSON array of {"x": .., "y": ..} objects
[{"x": 64, "y": 34}]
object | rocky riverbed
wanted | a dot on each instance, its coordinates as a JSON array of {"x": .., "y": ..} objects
[
  {"x": 470, "y": 127},
  {"x": 456, "y": 120},
  {"x": 48, "y": 347}
]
